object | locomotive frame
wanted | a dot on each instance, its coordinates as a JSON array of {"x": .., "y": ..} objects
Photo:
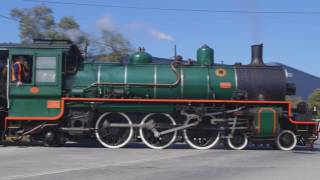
[{"x": 47, "y": 111}]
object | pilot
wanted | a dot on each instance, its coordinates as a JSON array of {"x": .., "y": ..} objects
[{"x": 19, "y": 71}]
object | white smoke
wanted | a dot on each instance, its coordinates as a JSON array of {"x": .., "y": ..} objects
[
  {"x": 106, "y": 23},
  {"x": 74, "y": 34},
  {"x": 161, "y": 35},
  {"x": 150, "y": 31}
]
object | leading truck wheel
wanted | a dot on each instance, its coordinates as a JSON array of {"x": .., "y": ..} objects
[
  {"x": 286, "y": 140},
  {"x": 157, "y": 122},
  {"x": 237, "y": 141},
  {"x": 113, "y": 137}
]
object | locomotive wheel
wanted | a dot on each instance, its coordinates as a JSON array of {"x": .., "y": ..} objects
[
  {"x": 237, "y": 141},
  {"x": 159, "y": 122},
  {"x": 54, "y": 139},
  {"x": 113, "y": 137},
  {"x": 200, "y": 138},
  {"x": 286, "y": 140}
]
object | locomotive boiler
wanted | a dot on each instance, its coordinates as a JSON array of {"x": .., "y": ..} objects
[
  {"x": 198, "y": 102},
  {"x": 184, "y": 80}
]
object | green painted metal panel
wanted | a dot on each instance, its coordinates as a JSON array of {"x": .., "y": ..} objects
[
  {"x": 142, "y": 74},
  {"x": 126, "y": 107},
  {"x": 33, "y": 107},
  {"x": 24, "y": 101},
  {"x": 205, "y": 56},
  {"x": 113, "y": 74},
  {"x": 267, "y": 118},
  {"x": 84, "y": 77},
  {"x": 82, "y": 80},
  {"x": 165, "y": 75},
  {"x": 196, "y": 83},
  {"x": 140, "y": 58},
  {"x": 227, "y": 75},
  {"x": 25, "y": 91},
  {"x": 266, "y": 123}
]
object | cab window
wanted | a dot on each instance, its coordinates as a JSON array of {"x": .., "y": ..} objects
[
  {"x": 21, "y": 69},
  {"x": 46, "y": 70}
]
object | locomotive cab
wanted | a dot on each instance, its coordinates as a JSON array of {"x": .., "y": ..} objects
[{"x": 35, "y": 91}]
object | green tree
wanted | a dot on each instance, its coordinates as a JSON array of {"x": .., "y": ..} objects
[
  {"x": 314, "y": 98},
  {"x": 68, "y": 22},
  {"x": 37, "y": 22},
  {"x": 116, "y": 46}
]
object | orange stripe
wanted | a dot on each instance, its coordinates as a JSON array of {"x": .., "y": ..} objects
[
  {"x": 53, "y": 104},
  {"x": 225, "y": 85},
  {"x": 54, "y": 118}
]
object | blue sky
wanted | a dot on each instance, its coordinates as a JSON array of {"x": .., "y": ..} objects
[{"x": 288, "y": 38}]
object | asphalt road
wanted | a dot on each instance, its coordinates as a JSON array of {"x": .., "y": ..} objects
[{"x": 138, "y": 162}]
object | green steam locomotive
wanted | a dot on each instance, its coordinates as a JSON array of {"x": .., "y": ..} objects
[{"x": 67, "y": 97}]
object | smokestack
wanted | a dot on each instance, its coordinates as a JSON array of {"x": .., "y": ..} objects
[{"x": 256, "y": 55}]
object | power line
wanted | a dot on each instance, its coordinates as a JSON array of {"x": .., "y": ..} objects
[{"x": 178, "y": 9}]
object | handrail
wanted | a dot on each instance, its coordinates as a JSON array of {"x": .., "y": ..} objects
[{"x": 173, "y": 67}]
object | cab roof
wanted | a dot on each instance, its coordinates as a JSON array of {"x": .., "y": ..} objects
[{"x": 40, "y": 44}]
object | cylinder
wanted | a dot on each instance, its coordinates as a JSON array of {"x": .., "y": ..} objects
[{"x": 205, "y": 56}]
